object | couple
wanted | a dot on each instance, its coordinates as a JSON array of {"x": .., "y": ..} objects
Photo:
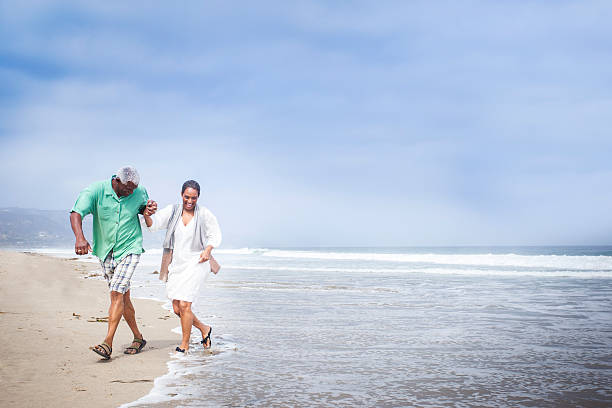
[{"x": 192, "y": 233}]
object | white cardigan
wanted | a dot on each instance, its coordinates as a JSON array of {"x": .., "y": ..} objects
[{"x": 213, "y": 232}]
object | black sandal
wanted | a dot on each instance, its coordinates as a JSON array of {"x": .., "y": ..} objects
[
  {"x": 141, "y": 343},
  {"x": 180, "y": 350},
  {"x": 207, "y": 339},
  {"x": 103, "y": 350}
]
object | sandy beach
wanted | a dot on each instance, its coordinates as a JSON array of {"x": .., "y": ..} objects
[{"x": 49, "y": 319}]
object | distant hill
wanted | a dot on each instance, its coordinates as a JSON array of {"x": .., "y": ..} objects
[{"x": 28, "y": 228}]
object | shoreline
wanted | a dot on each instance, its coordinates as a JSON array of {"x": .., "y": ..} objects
[{"x": 49, "y": 317}]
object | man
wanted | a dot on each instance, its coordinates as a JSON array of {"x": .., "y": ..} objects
[{"x": 117, "y": 242}]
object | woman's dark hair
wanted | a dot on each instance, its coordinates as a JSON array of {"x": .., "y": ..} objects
[{"x": 191, "y": 184}]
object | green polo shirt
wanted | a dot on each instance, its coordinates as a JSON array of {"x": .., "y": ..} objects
[{"x": 116, "y": 225}]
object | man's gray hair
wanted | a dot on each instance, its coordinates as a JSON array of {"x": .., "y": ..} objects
[{"x": 128, "y": 173}]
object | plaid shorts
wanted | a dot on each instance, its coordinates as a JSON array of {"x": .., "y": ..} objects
[{"x": 118, "y": 275}]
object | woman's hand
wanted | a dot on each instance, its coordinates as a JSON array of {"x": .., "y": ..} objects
[
  {"x": 205, "y": 255},
  {"x": 151, "y": 208}
]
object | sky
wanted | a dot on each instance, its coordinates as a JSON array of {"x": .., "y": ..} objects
[{"x": 321, "y": 123}]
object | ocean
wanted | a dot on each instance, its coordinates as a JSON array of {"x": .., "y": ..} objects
[{"x": 395, "y": 327}]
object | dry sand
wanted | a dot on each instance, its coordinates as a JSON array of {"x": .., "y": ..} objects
[{"x": 45, "y": 305}]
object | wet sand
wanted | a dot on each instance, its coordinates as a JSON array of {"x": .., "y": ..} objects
[{"x": 48, "y": 315}]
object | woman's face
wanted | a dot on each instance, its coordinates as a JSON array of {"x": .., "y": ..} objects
[{"x": 190, "y": 198}]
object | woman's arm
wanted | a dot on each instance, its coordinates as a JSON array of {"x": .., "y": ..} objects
[
  {"x": 148, "y": 219},
  {"x": 213, "y": 234},
  {"x": 149, "y": 210},
  {"x": 159, "y": 220},
  {"x": 205, "y": 255}
]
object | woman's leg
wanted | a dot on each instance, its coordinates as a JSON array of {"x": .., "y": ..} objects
[
  {"x": 186, "y": 322},
  {"x": 176, "y": 308},
  {"x": 202, "y": 327}
]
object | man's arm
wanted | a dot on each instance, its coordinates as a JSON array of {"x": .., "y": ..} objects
[{"x": 81, "y": 246}]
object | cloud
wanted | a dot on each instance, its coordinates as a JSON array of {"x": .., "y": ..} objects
[{"x": 444, "y": 123}]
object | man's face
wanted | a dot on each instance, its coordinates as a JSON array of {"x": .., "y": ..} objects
[{"x": 124, "y": 190}]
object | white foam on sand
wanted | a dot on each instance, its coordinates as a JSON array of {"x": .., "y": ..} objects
[
  {"x": 236, "y": 251},
  {"x": 559, "y": 262},
  {"x": 565, "y": 262},
  {"x": 64, "y": 253},
  {"x": 176, "y": 384},
  {"x": 582, "y": 274}
]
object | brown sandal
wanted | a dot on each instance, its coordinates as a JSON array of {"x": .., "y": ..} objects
[
  {"x": 103, "y": 350},
  {"x": 141, "y": 344}
]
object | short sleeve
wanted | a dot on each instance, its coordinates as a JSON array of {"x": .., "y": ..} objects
[
  {"x": 85, "y": 202},
  {"x": 144, "y": 199}
]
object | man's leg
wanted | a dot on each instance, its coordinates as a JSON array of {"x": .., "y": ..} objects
[
  {"x": 115, "y": 311},
  {"x": 129, "y": 314},
  {"x": 119, "y": 284}
]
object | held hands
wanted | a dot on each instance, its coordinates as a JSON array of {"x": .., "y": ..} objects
[
  {"x": 151, "y": 208},
  {"x": 82, "y": 247},
  {"x": 205, "y": 255}
]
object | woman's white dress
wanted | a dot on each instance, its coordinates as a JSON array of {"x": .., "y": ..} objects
[{"x": 185, "y": 273}]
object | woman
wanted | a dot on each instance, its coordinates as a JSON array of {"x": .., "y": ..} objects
[{"x": 192, "y": 233}]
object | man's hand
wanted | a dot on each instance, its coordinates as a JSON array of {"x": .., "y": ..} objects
[
  {"x": 151, "y": 208},
  {"x": 205, "y": 255},
  {"x": 82, "y": 247}
]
